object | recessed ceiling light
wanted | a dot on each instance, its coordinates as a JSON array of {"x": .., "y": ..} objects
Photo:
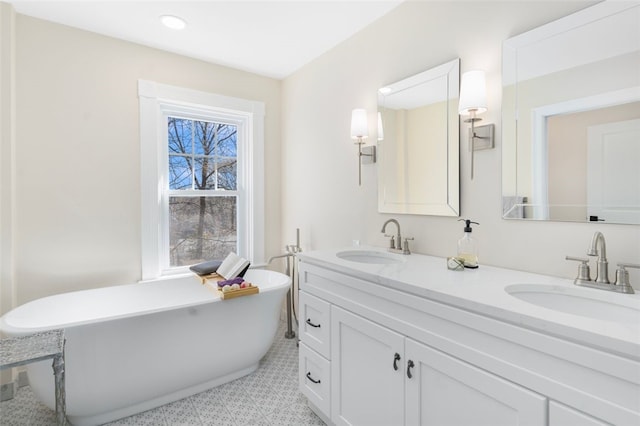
[
  {"x": 173, "y": 22},
  {"x": 385, "y": 90}
]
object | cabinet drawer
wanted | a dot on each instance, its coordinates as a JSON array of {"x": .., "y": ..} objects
[
  {"x": 314, "y": 377},
  {"x": 315, "y": 323}
]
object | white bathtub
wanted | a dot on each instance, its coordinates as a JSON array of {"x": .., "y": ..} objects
[{"x": 134, "y": 347}]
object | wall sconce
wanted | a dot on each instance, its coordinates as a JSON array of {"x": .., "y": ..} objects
[
  {"x": 359, "y": 132},
  {"x": 473, "y": 101}
]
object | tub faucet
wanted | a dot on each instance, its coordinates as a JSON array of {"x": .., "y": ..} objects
[
  {"x": 290, "y": 256},
  {"x": 602, "y": 273}
]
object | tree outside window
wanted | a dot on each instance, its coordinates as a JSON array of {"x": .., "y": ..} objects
[{"x": 202, "y": 180}]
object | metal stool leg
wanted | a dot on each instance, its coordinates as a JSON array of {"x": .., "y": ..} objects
[
  {"x": 58, "y": 371},
  {"x": 21, "y": 350}
]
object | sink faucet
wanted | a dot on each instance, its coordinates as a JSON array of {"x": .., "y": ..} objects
[
  {"x": 398, "y": 245},
  {"x": 599, "y": 248},
  {"x": 602, "y": 273}
]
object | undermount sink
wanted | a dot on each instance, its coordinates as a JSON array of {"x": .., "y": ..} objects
[
  {"x": 369, "y": 256},
  {"x": 597, "y": 304}
]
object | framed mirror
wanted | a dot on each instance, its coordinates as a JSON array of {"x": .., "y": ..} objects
[
  {"x": 571, "y": 118},
  {"x": 418, "y": 143}
]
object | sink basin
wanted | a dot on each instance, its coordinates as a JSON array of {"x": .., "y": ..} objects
[
  {"x": 590, "y": 303},
  {"x": 369, "y": 256}
]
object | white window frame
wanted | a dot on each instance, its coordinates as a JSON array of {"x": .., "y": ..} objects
[{"x": 157, "y": 102}]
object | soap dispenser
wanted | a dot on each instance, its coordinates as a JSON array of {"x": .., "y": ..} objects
[{"x": 468, "y": 247}]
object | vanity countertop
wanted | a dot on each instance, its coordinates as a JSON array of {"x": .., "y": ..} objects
[{"x": 483, "y": 291}]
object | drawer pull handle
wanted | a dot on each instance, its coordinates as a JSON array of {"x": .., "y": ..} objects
[
  {"x": 409, "y": 365},
  {"x": 396, "y": 358},
  {"x": 310, "y": 378},
  {"x": 312, "y": 324}
]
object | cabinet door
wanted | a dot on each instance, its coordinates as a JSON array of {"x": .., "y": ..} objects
[
  {"x": 443, "y": 390},
  {"x": 561, "y": 415},
  {"x": 366, "y": 387}
]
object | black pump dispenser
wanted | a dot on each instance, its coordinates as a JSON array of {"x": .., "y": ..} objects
[
  {"x": 467, "y": 246},
  {"x": 468, "y": 223}
]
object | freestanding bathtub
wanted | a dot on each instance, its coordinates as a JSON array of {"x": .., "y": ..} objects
[{"x": 134, "y": 347}]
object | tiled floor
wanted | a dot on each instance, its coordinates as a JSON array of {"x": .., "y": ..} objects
[{"x": 269, "y": 396}]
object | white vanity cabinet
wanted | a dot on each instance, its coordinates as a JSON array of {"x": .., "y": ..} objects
[
  {"x": 379, "y": 377},
  {"x": 389, "y": 357}
]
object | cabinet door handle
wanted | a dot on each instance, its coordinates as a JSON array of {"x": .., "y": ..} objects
[
  {"x": 312, "y": 324},
  {"x": 310, "y": 378},
  {"x": 409, "y": 366},
  {"x": 396, "y": 358}
]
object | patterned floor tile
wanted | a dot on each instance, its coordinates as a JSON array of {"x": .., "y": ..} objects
[
  {"x": 284, "y": 416},
  {"x": 258, "y": 422},
  {"x": 311, "y": 419},
  {"x": 180, "y": 413},
  {"x": 243, "y": 409},
  {"x": 265, "y": 399},
  {"x": 147, "y": 418},
  {"x": 216, "y": 418}
]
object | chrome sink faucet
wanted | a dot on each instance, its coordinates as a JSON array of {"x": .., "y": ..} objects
[
  {"x": 599, "y": 248},
  {"x": 602, "y": 273},
  {"x": 398, "y": 242},
  {"x": 396, "y": 246}
]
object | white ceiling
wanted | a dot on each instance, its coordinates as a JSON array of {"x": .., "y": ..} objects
[{"x": 268, "y": 37}]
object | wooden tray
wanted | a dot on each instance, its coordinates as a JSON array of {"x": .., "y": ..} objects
[
  {"x": 229, "y": 294},
  {"x": 237, "y": 293}
]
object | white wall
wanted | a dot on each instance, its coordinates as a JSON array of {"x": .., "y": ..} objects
[
  {"x": 7, "y": 148},
  {"x": 7, "y": 139},
  {"x": 77, "y": 159},
  {"x": 76, "y": 193},
  {"x": 320, "y": 183}
]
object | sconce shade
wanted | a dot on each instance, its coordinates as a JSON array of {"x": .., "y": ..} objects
[
  {"x": 359, "y": 127},
  {"x": 380, "y": 127},
  {"x": 473, "y": 93}
]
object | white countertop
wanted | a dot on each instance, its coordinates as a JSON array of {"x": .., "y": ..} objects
[{"x": 482, "y": 290}]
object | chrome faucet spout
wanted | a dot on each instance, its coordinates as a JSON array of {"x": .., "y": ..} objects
[
  {"x": 598, "y": 237},
  {"x": 599, "y": 248},
  {"x": 272, "y": 258},
  {"x": 399, "y": 236}
]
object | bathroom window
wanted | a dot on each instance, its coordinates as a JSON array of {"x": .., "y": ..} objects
[
  {"x": 202, "y": 178},
  {"x": 202, "y": 183}
]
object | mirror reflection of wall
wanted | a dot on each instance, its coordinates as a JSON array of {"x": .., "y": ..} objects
[
  {"x": 413, "y": 145},
  {"x": 418, "y": 156},
  {"x": 558, "y": 81}
]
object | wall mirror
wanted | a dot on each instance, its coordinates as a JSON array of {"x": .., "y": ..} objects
[
  {"x": 571, "y": 118},
  {"x": 418, "y": 143}
]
